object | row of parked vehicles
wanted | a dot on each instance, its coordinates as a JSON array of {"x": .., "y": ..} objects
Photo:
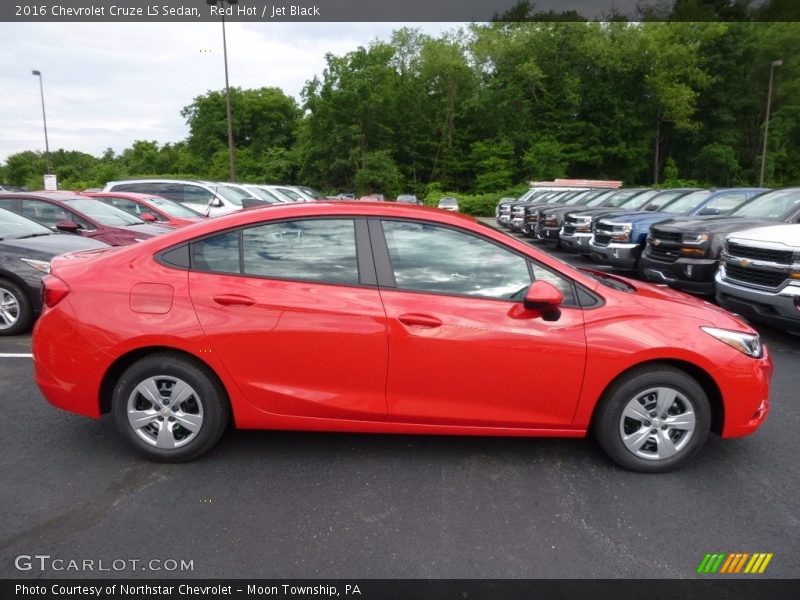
[{"x": 741, "y": 245}]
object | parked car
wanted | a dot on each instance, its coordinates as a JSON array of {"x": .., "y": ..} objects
[
  {"x": 69, "y": 212},
  {"x": 683, "y": 252},
  {"x": 545, "y": 222},
  {"x": 372, "y": 198},
  {"x": 284, "y": 193},
  {"x": 209, "y": 198},
  {"x": 26, "y": 248},
  {"x": 152, "y": 209},
  {"x": 529, "y": 213},
  {"x": 534, "y": 194},
  {"x": 408, "y": 199},
  {"x": 179, "y": 335},
  {"x": 759, "y": 275},
  {"x": 618, "y": 240},
  {"x": 518, "y": 223},
  {"x": 577, "y": 228},
  {"x": 448, "y": 203}
]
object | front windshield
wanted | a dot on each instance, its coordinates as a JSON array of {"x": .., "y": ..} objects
[
  {"x": 663, "y": 199},
  {"x": 311, "y": 192},
  {"x": 291, "y": 193},
  {"x": 683, "y": 205},
  {"x": 172, "y": 208},
  {"x": 13, "y": 225},
  {"x": 639, "y": 200},
  {"x": 772, "y": 205},
  {"x": 600, "y": 198},
  {"x": 448, "y": 202},
  {"x": 262, "y": 194},
  {"x": 230, "y": 194},
  {"x": 622, "y": 197},
  {"x": 577, "y": 197},
  {"x": 104, "y": 214}
]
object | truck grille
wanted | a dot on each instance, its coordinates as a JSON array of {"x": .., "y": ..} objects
[
  {"x": 782, "y": 257},
  {"x": 754, "y": 276},
  {"x": 667, "y": 236},
  {"x": 662, "y": 254},
  {"x": 603, "y": 226},
  {"x": 569, "y": 229},
  {"x": 602, "y": 239}
]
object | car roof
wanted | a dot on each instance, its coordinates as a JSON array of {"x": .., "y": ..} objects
[{"x": 58, "y": 196}]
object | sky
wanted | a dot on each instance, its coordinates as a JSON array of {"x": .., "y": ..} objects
[{"x": 108, "y": 84}]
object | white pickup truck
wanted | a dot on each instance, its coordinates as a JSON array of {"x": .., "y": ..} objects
[{"x": 759, "y": 275}]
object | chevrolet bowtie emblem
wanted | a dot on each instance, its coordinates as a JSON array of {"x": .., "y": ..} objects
[
  {"x": 656, "y": 242},
  {"x": 743, "y": 262}
]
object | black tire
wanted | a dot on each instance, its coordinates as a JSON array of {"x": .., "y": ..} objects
[
  {"x": 639, "y": 392},
  {"x": 204, "y": 405},
  {"x": 22, "y": 311}
]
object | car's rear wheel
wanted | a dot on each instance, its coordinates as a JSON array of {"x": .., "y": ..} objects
[
  {"x": 16, "y": 312},
  {"x": 653, "y": 419},
  {"x": 169, "y": 408}
]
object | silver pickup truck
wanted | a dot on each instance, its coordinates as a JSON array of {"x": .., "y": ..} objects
[{"x": 759, "y": 275}]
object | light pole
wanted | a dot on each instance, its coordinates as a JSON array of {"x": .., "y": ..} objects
[
  {"x": 38, "y": 74},
  {"x": 231, "y": 153},
  {"x": 775, "y": 63}
]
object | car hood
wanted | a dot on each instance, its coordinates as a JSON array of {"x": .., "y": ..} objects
[
  {"x": 50, "y": 245},
  {"x": 593, "y": 212},
  {"x": 640, "y": 218},
  {"x": 788, "y": 235},
  {"x": 713, "y": 224},
  {"x": 675, "y": 303}
]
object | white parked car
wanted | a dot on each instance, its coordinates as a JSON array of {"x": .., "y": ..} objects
[
  {"x": 206, "y": 197},
  {"x": 448, "y": 203}
]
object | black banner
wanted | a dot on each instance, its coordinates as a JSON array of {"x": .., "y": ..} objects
[
  {"x": 388, "y": 589},
  {"x": 393, "y": 10}
]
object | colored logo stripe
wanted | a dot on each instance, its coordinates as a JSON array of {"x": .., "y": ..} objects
[{"x": 734, "y": 563}]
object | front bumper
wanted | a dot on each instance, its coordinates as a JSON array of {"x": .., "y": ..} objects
[
  {"x": 695, "y": 275},
  {"x": 548, "y": 233},
  {"x": 576, "y": 242},
  {"x": 778, "y": 309},
  {"x": 616, "y": 254},
  {"x": 504, "y": 220},
  {"x": 517, "y": 223}
]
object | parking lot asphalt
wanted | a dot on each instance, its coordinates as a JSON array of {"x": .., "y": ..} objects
[{"x": 289, "y": 505}]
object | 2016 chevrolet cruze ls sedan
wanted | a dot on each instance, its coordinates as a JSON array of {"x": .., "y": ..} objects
[{"x": 391, "y": 319}]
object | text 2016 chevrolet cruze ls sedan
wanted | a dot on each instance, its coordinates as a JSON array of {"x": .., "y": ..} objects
[{"x": 391, "y": 319}]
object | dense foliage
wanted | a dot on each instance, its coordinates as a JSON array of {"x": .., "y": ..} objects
[{"x": 483, "y": 109}]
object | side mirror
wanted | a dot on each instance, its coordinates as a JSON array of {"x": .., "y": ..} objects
[
  {"x": 708, "y": 211},
  {"x": 545, "y": 298},
  {"x": 651, "y": 207},
  {"x": 68, "y": 226},
  {"x": 147, "y": 217},
  {"x": 216, "y": 203}
]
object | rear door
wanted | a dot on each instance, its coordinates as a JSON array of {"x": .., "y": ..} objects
[{"x": 292, "y": 310}]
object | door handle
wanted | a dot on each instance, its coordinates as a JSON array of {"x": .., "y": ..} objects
[
  {"x": 416, "y": 320},
  {"x": 233, "y": 300}
]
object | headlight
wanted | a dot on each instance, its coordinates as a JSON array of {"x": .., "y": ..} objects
[
  {"x": 40, "y": 265},
  {"x": 622, "y": 232},
  {"x": 746, "y": 343},
  {"x": 583, "y": 224},
  {"x": 695, "y": 238}
]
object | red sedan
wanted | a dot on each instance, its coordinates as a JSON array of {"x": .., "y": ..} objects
[
  {"x": 375, "y": 318},
  {"x": 153, "y": 209}
]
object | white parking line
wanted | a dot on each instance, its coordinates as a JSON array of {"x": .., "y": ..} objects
[{"x": 20, "y": 355}]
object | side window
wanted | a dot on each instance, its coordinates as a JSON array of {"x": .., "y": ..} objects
[
  {"x": 45, "y": 213},
  {"x": 725, "y": 203},
  {"x": 173, "y": 191},
  {"x": 430, "y": 258},
  {"x": 321, "y": 250},
  {"x": 139, "y": 186},
  {"x": 129, "y": 206},
  {"x": 193, "y": 194},
  {"x": 219, "y": 253}
]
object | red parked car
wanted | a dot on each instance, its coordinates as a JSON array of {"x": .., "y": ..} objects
[
  {"x": 70, "y": 212},
  {"x": 152, "y": 209},
  {"x": 371, "y": 318}
]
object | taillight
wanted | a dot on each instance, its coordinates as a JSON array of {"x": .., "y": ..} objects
[{"x": 54, "y": 290}]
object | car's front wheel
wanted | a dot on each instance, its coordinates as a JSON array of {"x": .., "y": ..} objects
[
  {"x": 169, "y": 408},
  {"x": 16, "y": 312},
  {"x": 653, "y": 419}
]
